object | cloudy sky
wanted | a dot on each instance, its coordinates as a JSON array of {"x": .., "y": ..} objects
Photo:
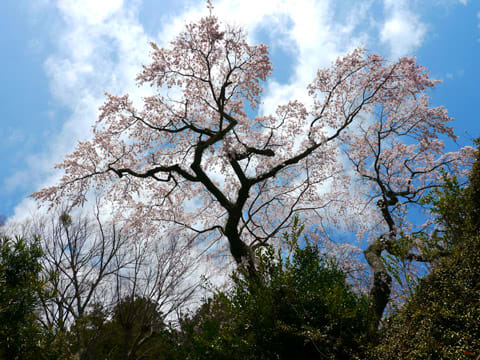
[{"x": 59, "y": 56}]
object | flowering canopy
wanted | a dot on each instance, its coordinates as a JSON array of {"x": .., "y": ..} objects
[{"x": 194, "y": 157}]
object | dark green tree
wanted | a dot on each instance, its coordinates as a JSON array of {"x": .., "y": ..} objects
[
  {"x": 135, "y": 329},
  {"x": 21, "y": 290}
]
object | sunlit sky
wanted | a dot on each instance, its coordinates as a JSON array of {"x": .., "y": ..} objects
[{"x": 59, "y": 56}]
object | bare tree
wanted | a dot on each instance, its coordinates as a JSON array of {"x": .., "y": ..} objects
[
  {"x": 160, "y": 279},
  {"x": 92, "y": 261}
]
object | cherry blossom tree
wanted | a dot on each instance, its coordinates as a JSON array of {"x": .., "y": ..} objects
[
  {"x": 195, "y": 160},
  {"x": 396, "y": 158}
]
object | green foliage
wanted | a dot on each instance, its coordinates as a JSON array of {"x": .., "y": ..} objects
[
  {"x": 458, "y": 207},
  {"x": 473, "y": 191},
  {"x": 134, "y": 330},
  {"x": 299, "y": 307},
  {"x": 442, "y": 319},
  {"x": 21, "y": 288},
  {"x": 452, "y": 207}
]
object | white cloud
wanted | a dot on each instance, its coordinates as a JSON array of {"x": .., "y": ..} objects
[
  {"x": 93, "y": 12},
  {"x": 402, "y": 31},
  {"x": 100, "y": 45},
  {"x": 447, "y": 4}
]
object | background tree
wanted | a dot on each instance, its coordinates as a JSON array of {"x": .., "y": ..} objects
[
  {"x": 441, "y": 320},
  {"x": 81, "y": 256},
  {"x": 397, "y": 159},
  {"x": 193, "y": 161}
]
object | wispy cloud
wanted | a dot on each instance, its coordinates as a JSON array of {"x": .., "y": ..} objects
[
  {"x": 311, "y": 31},
  {"x": 100, "y": 45},
  {"x": 402, "y": 31}
]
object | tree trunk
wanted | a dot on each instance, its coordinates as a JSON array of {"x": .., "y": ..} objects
[
  {"x": 240, "y": 251},
  {"x": 382, "y": 282}
]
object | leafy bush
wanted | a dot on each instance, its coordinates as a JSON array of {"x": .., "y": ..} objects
[
  {"x": 134, "y": 330},
  {"x": 299, "y": 307},
  {"x": 442, "y": 319}
]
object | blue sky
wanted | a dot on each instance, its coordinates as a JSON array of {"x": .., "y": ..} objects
[{"x": 59, "y": 56}]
